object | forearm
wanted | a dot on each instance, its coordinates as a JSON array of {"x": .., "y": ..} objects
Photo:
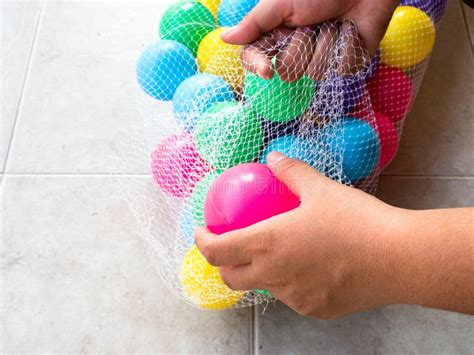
[{"x": 432, "y": 259}]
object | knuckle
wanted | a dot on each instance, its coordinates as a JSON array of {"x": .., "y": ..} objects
[{"x": 209, "y": 253}]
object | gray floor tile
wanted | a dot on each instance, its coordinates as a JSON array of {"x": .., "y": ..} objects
[
  {"x": 19, "y": 21},
  {"x": 391, "y": 330},
  {"x": 76, "y": 278},
  {"x": 438, "y": 134},
  {"x": 82, "y": 93}
]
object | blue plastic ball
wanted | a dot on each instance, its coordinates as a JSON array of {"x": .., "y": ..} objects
[
  {"x": 433, "y": 8},
  {"x": 196, "y": 94},
  {"x": 231, "y": 12},
  {"x": 293, "y": 147},
  {"x": 163, "y": 66},
  {"x": 186, "y": 224},
  {"x": 360, "y": 147}
]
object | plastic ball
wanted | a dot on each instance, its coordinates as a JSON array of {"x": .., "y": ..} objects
[
  {"x": 434, "y": 8},
  {"x": 294, "y": 147},
  {"x": 278, "y": 100},
  {"x": 187, "y": 22},
  {"x": 212, "y": 6},
  {"x": 219, "y": 58},
  {"x": 409, "y": 38},
  {"x": 231, "y": 12},
  {"x": 338, "y": 96},
  {"x": 391, "y": 92},
  {"x": 199, "y": 196},
  {"x": 274, "y": 130},
  {"x": 176, "y": 166},
  {"x": 389, "y": 139},
  {"x": 163, "y": 66},
  {"x": 359, "y": 145},
  {"x": 244, "y": 195},
  {"x": 388, "y": 135},
  {"x": 229, "y": 133},
  {"x": 186, "y": 224},
  {"x": 196, "y": 94},
  {"x": 203, "y": 285}
]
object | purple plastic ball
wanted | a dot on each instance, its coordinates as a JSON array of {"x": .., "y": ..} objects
[{"x": 338, "y": 96}]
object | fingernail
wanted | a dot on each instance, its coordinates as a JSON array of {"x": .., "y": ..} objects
[
  {"x": 228, "y": 31},
  {"x": 275, "y": 157}
]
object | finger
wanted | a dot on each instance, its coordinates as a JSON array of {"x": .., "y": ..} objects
[
  {"x": 264, "y": 17},
  {"x": 295, "y": 174},
  {"x": 292, "y": 61},
  {"x": 324, "y": 51},
  {"x": 352, "y": 52},
  {"x": 372, "y": 28},
  {"x": 257, "y": 61},
  {"x": 257, "y": 57},
  {"x": 227, "y": 249},
  {"x": 242, "y": 277}
]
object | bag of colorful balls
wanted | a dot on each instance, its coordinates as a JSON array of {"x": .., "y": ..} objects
[{"x": 210, "y": 123}]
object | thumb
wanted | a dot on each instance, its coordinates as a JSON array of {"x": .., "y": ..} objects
[
  {"x": 298, "y": 176},
  {"x": 264, "y": 17}
]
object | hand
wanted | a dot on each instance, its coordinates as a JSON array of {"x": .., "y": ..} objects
[
  {"x": 309, "y": 49},
  {"x": 343, "y": 251}
]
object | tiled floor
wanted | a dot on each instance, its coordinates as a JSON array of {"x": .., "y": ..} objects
[{"x": 76, "y": 280}]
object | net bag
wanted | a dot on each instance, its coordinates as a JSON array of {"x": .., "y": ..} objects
[{"x": 209, "y": 117}]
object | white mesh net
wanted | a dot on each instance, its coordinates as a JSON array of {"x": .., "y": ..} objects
[{"x": 312, "y": 93}]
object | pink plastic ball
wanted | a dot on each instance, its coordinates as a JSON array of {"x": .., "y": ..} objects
[
  {"x": 176, "y": 166},
  {"x": 244, "y": 195},
  {"x": 388, "y": 139},
  {"x": 390, "y": 92}
]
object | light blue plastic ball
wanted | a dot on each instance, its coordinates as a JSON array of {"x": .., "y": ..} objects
[
  {"x": 196, "y": 94},
  {"x": 293, "y": 147},
  {"x": 231, "y": 12},
  {"x": 360, "y": 147},
  {"x": 186, "y": 224},
  {"x": 163, "y": 66}
]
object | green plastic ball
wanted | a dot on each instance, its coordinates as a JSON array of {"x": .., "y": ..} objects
[
  {"x": 187, "y": 22},
  {"x": 228, "y": 134},
  {"x": 277, "y": 100},
  {"x": 199, "y": 196}
]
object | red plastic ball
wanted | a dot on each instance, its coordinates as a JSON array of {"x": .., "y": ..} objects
[{"x": 391, "y": 92}]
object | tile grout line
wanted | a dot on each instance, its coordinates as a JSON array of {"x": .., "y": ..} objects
[
  {"x": 466, "y": 25},
  {"x": 23, "y": 85},
  {"x": 254, "y": 335}
]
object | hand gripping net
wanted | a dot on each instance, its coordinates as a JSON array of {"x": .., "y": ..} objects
[{"x": 322, "y": 99}]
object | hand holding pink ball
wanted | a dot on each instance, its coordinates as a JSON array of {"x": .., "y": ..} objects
[{"x": 244, "y": 195}]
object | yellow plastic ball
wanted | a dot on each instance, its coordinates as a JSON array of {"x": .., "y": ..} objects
[
  {"x": 203, "y": 285},
  {"x": 212, "y": 6},
  {"x": 409, "y": 38},
  {"x": 222, "y": 59}
]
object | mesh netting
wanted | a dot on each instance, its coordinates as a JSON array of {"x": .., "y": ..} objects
[{"x": 215, "y": 110}]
